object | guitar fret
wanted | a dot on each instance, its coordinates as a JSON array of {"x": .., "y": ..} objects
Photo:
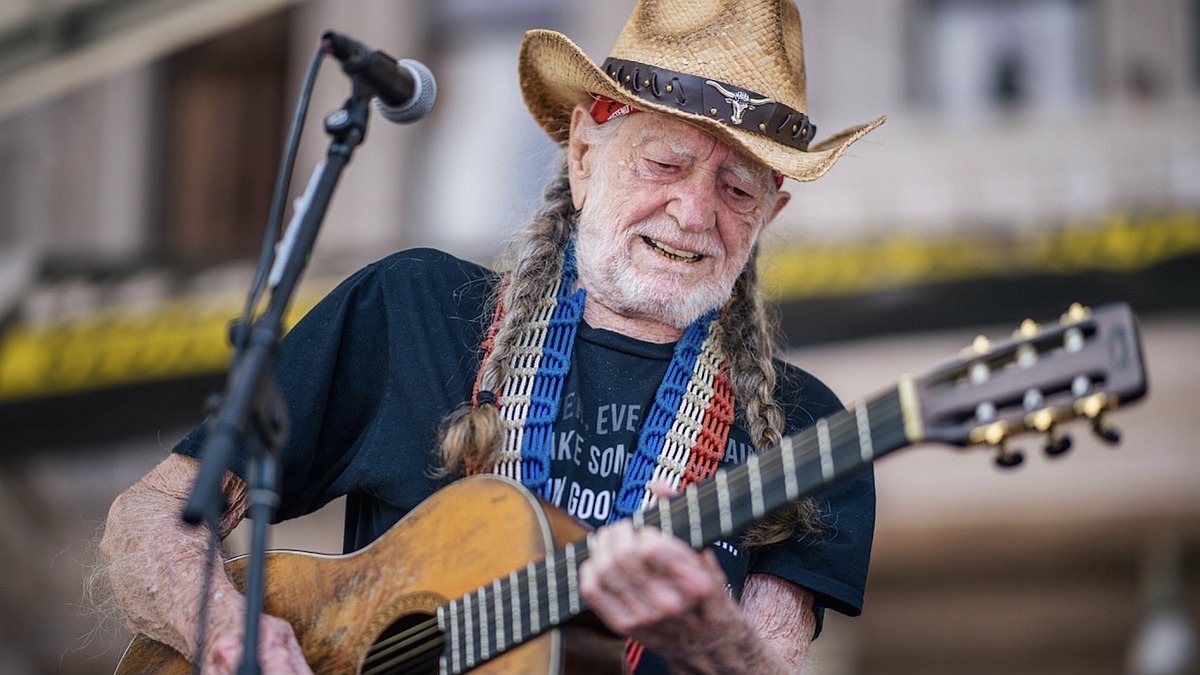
[
  {"x": 448, "y": 626},
  {"x": 468, "y": 632},
  {"x": 455, "y": 638},
  {"x": 535, "y": 602},
  {"x": 791, "y": 489},
  {"x": 514, "y": 583},
  {"x": 693, "y": 508},
  {"x": 485, "y": 647},
  {"x": 754, "y": 475},
  {"x": 824, "y": 447},
  {"x": 664, "y": 516},
  {"x": 866, "y": 449},
  {"x": 552, "y": 589},
  {"x": 723, "y": 507},
  {"x": 572, "y": 581},
  {"x": 498, "y": 607},
  {"x": 459, "y": 636}
]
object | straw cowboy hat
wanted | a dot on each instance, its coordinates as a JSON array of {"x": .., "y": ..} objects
[{"x": 733, "y": 67}]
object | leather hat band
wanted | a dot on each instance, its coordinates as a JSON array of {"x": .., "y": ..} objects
[{"x": 722, "y": 102}]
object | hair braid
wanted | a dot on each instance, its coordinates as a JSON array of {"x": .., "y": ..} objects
[
  {"x": 750, "y": 331},
  {"x": 472, "y": 436},
  {"x": 750, "y": 346}
]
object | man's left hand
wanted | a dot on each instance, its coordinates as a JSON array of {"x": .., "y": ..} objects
[{"x": 654, "y": 588}]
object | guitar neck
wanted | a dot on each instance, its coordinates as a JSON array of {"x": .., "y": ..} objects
[
  {"x": 829, "y": 451},
  {"x": 530, "y": 601}
]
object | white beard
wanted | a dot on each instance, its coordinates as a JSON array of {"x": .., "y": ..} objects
[{"x": 608, "y": 273}]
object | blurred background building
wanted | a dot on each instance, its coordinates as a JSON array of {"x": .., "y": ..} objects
[{"x": 1037, "y": 153}]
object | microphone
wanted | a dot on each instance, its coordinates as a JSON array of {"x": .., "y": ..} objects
[{"x": 404, "y": 89}]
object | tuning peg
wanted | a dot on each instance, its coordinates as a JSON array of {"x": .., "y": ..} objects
[
  {"x": 1093, "y": 408},
  {"x": 1057, "y": 444},
  {"x": 1008, "y": 458},
  {"x": 1105, "y": 432},
  {"x": 995, "y": 435},
  {"x": 1028, "y": 330},
  {"x": 1076, "y": 313},
  {"x": 980, "y": 346}
]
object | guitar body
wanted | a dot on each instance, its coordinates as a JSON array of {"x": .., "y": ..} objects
[{"x": 464, "y": 536}]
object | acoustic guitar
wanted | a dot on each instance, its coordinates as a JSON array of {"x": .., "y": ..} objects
[{"x": 482, "y": 576}]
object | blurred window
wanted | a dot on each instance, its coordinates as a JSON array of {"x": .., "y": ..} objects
[
  {"x": 977, "y": 58},
  {"x": 491, "y": 159},
  {"x": 223, "y": 112}
]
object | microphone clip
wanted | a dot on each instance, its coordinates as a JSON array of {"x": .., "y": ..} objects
[{"x": 404, "y": 90}]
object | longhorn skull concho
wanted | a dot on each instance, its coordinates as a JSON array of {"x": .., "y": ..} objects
[{"x": 739, "y": 100}]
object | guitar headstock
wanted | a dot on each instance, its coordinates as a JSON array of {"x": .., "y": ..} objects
[{"x": 1081, "y": 367}]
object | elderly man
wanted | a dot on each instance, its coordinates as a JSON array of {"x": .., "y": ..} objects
[{"x": 622, "y": 354}]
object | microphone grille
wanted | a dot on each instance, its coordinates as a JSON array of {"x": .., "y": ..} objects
[{"x": 424, "y": 95}]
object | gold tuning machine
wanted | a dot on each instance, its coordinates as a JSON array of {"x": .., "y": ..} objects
[
  {"x": 1006, "y": 457},
  {"x": 1044, "y": 420},
  {"x": 1057, "y": 443},
  {"x": 980, "y": 346},
  {"x": 1028, "y": 330},
  {"x": 1076, "y": 313},
  {"x": 1105, "y": 432},
  {"x": 1093, "y": 407},
  {"x": 995, "y": 436}
]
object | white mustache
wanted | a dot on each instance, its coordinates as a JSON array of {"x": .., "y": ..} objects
[{"x": 671, "y": 239}]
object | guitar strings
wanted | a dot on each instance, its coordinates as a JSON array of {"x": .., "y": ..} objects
[
  {"x": 411, "y": 661},
  {"x": 425, "y": 636},
  {"x": 402, "y": 648},
  {"x": 418, "y": 648}
]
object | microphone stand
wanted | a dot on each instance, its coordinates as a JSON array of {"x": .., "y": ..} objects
[{"x": 253, "y": 413}]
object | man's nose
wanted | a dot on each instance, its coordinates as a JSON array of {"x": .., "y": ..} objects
[{"x": 694, "y": 202}]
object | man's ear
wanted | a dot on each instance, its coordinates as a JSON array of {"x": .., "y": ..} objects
[
  {"x": 781, "y": 200},
  {"x": 579, "y": 157}
]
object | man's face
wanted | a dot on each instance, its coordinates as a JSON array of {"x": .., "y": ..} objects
[{"x": 668, "y": 218}]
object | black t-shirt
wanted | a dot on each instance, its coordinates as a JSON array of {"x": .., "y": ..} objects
[{"x": 372, "y": 370}]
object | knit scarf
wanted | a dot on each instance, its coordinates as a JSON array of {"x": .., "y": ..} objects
[{"x": 683, "y": 435}]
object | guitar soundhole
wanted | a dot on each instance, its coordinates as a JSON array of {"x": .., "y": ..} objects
[{"x": 409, "y": 646}]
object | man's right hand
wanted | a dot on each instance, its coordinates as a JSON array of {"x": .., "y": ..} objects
[
  {"x": 155, "y": 564},
  {"x": 279, "y": 651}
]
